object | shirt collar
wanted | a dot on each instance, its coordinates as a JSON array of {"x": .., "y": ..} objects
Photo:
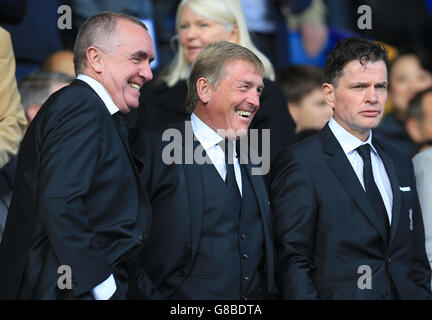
[
  {"x": 101, "y": 92},
  {"x": 206, "y": 135},
  {"x": 348, "y": 142}
]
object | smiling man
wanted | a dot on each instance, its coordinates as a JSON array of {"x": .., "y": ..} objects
[
  {"x": 79, "y": 212},
  {"x": 347, "y": 218},
  {"x": 211, "y": 228}
]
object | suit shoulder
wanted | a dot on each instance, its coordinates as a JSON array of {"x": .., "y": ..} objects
[
  {"x": 304, "y": 151},
  {"x": 423, "y": 157}
]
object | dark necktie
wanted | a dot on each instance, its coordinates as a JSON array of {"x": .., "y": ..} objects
[
  {"x": 121, "y": 125},
  {"x": 372, "y": 190},
  {"x": 230, "y": 180}
]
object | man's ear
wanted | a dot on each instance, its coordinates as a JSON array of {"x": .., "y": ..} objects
[
  {"x": 203, "y": 90},
  {"x": 95, "y": 59},
  {"x": 329, "y": 93}
]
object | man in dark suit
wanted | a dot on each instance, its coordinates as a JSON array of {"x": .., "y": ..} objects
[
  {"x": 78, "y": 213},
  {"x": 211, "y": 230},
  {"x": 347, "y": 219}
]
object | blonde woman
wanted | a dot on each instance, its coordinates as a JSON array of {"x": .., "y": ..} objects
[{"x": 199, "y": 23}]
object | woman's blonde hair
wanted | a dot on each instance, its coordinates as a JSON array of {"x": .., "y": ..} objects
[{"x": 225, "y": 12}]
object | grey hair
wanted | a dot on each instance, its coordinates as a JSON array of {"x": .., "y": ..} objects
[
  {"x": 211, "y": 63},
  {"x": 36, "y": 87},
  {"x": 97, "y": 31}
]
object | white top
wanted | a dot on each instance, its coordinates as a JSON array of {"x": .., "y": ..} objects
[
  {"x": 209, "y": 140},
  {"x": 106, "y": 289},
  {"x": 349, "y": 144}
]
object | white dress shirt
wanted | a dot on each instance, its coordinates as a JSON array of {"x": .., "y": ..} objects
[
  {"x": 106, "y": 289},
  {"x": 349, "y": 144},
  {"x": 209, "y": 140}
]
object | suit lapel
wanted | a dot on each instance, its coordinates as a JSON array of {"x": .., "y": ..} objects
[
  {"x": 396, "y": 206},
  {"x": 194, "y": 175},
  {"x": 342, "y": 168}
]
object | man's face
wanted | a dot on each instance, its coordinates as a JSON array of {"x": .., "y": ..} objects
[
  {"x": 233, "y": 104},
  {"x": 126, "y": 67},
  {"x": 359, "y": 96},
  {"x": 312, "y": 112}
]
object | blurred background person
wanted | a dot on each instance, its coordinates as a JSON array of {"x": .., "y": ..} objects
[
  {"x": 198, "y": 23},
  {"x": 419, "y": 120},
  {"x": 34, "y": 90},
  {"x": 12, "y": 123},
  {"x": 423, "y": 172},
  {"x": 60, "y": 61},
  {"x": 36, "y": 87},
  {"x": 305, "y": 99},
  {"x": 408, "y": 75}
]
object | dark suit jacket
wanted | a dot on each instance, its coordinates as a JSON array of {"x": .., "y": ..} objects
[
  {"x": 160, "y": 104},
  {"x": 176, "y": 196},
  {"x": 77, "y": 201},
  {"x": 326, "y": 229}
]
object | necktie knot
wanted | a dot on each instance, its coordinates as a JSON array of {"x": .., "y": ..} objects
[
  {"x": 228, "y": 149},
  {"x": 364, "y": 151}
]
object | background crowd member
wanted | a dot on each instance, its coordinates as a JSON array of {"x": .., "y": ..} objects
[
  {"x": 78, "y": 200},
  {"x": 12, "y": 118},
  {"x": 342, "y": 201},
  {"x": 36, "y": 87},
  {"x": 211, "y": 222},
  {"x": 423, "y": 172},
  {"x": 198, "y": 23},
  {"x": 12, "y": 123},
  {"x": 305, "y": 99},
  {"x": 34, "y": 90},
  {"x": 408, "y": 75},
  {"x": 419, "y": 119},
  {"x": 60, "y": 61}
]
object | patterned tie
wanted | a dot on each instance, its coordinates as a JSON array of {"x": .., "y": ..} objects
[{"x": 372, "y": 190}]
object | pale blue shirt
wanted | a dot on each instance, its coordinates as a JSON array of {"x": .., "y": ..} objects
[
  {"x": 106, "y": 289},
  {"x": 209, "y": 140},
  {"x": 349, "y": 144}
]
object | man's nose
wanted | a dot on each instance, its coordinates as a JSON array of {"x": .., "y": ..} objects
[{"x": 146, "y": 72}]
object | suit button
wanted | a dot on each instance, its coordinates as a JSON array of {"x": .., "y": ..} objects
[
  {"x": 143, "y": 236},
  {"x": 245, "y": 256},
  {"x": 244, "y": 298},
  {"x": 183, "y": 273},
  {"x": 246, "y": 277},
  {"x": 388, "y": 260},
  {"x": 242, "y": 235}
]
